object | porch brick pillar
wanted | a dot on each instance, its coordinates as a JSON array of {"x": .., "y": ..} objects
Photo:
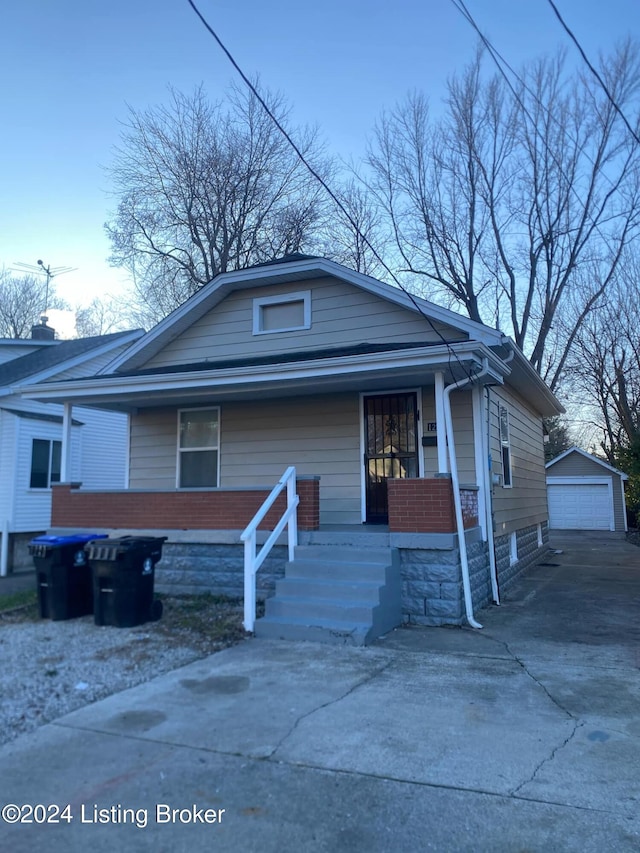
[
  {"x": 308, "y": 490},
  {"x": 421, "y": 505}
]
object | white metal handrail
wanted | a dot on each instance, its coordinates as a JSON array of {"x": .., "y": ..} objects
[{"x": 253, "y": 559}]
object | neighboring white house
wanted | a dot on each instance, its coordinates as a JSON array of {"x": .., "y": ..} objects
[
  {"x": 31, "y": 433},
  {"x": 585, "y": 493}
]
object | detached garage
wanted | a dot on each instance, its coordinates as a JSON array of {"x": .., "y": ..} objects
[{"x": 584, "y": 493}]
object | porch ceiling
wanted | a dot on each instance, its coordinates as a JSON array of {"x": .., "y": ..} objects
[{"x": 363, "y": 372}]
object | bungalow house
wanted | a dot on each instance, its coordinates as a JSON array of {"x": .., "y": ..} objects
[
  {"x": 32, "y": 433},
  {"x": 415, "y": 434}
]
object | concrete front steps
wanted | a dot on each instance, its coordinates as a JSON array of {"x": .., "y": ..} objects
[{"x": 335, "y": 594}]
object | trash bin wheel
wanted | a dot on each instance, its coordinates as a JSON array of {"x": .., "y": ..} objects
[{"x": 156, "y": 610}]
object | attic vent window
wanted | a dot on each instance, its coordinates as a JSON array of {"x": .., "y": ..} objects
[{"x": 288, "y": 312}]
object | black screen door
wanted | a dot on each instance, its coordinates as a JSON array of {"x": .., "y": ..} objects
[{"x": 391, "y": 448}]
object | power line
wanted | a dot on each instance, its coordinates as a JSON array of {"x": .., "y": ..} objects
[
  {"x": 324, "y": 184},
  {"x": 497, "y": 58},
  {"x": 594, "y": 71}
]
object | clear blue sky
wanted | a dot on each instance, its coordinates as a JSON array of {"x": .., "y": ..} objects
[{"x": 69, "y": 68}]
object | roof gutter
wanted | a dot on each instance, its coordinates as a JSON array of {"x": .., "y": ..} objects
[{"x": 455, "y": 484}]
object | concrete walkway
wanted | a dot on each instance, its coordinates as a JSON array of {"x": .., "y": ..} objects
[{"x": 524, "y": 736}]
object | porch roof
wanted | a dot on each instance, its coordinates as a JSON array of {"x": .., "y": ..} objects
[{"x": 366, "y": 367}]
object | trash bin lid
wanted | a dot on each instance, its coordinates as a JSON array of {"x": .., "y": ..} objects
[
  {"x": 131, "y": 542},
  {"x": 72, "y": 539}
]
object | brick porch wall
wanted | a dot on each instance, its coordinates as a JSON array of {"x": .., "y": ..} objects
[
  {"x": 220, "y": 509},
  {"x": 422, "y": 505}
]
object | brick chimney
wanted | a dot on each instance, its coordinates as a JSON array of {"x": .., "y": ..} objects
[{"x": 42, "y": 332}]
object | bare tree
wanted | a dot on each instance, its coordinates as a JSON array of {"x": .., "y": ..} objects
[
  {"x": 354, "y": 236},
  {"x": 516, "y": 206},
  {"x": 23, "y": 300},
  {"x": 204, "y": 188},
  {"x": 605, "y": 372},
  {"x": 605, "y": 364},
  {"x": 101, "y": 317}
]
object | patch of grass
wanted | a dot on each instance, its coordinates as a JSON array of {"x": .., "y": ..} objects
[{"x": 26, "y": 598}]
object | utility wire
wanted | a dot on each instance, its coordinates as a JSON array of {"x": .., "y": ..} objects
[
  {"x": 326, "y": 187},
  {"x": 594, "y": 71},
  {"x": 497, "y": 58}
]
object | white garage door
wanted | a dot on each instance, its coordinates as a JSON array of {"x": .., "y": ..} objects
[{"x": 584, "y": 506}]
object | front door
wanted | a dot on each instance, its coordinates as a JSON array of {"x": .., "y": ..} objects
[{"x": 391, "y": 448}]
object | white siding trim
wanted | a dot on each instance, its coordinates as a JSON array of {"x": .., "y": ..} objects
[
  {"x": 441, "y": 436},
  {"x": 624, "y": 506}
]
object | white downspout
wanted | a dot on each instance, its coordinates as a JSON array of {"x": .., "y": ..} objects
[
  {"x": 488, "y": 504},
  {"x": 455, "y": 485},
  {"x": 4, "y": 549}
]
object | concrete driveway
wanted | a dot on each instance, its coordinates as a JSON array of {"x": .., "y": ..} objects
[{"x": 524, "y": 736}]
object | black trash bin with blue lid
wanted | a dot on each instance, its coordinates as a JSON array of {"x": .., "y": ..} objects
[
  {"x": 123, "y": 572},
  {"x": 63, "y": 575}
]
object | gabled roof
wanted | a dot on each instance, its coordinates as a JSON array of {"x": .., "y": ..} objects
[
  {"x": 39, "y": 365},
  {"x": 586, "y": 456},
  {"x": 279, "y": 272}
]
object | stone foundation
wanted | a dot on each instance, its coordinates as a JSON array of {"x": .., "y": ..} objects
[
  {"x": 190, "y": 568},
  {"x": 529, "y": 552},
  {"x": 432, "y": 592},
  {"x": 430, "y": 572}
]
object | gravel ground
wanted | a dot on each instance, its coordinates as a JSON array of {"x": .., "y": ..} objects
[{"x": 51, "y": 668}]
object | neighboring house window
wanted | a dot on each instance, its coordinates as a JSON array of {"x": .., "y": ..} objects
[
  {"x": 198, "y": 448},
  {"x": 45, "y": 463},
  {"x": 505, "y": 447},
  {"x": 286, "y": 313}
]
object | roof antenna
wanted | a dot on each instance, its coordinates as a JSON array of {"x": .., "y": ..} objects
[{"x": 50, "y": 273}]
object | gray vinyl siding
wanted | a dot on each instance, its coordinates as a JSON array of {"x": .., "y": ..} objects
[
  {"x": 258, "y": 441},
  {"x": 341, "y": 315},
  {"x": 153, "y": 443},
  {"x": 576, "y": 465},
  {"x": 319, "y": 435},
  {"x": 462, "y": 415},
  {"x": 524, "y": 504},
  {"x": 88, "y": 367}
]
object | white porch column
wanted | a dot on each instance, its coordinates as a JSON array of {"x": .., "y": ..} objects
[
  {"x": 481, "y": 453},
  {"x": 441, "y": 434},
  {"x": 65, "y": 460}
]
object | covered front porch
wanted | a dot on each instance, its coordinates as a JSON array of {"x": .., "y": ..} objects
[{"x": 393, "y": 441}]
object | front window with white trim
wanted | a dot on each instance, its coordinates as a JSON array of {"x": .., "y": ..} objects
[
  {"x": 198, "y": 448},
  {"x": 287, "y": 312},
  {"x": 505, "y": 448}
]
